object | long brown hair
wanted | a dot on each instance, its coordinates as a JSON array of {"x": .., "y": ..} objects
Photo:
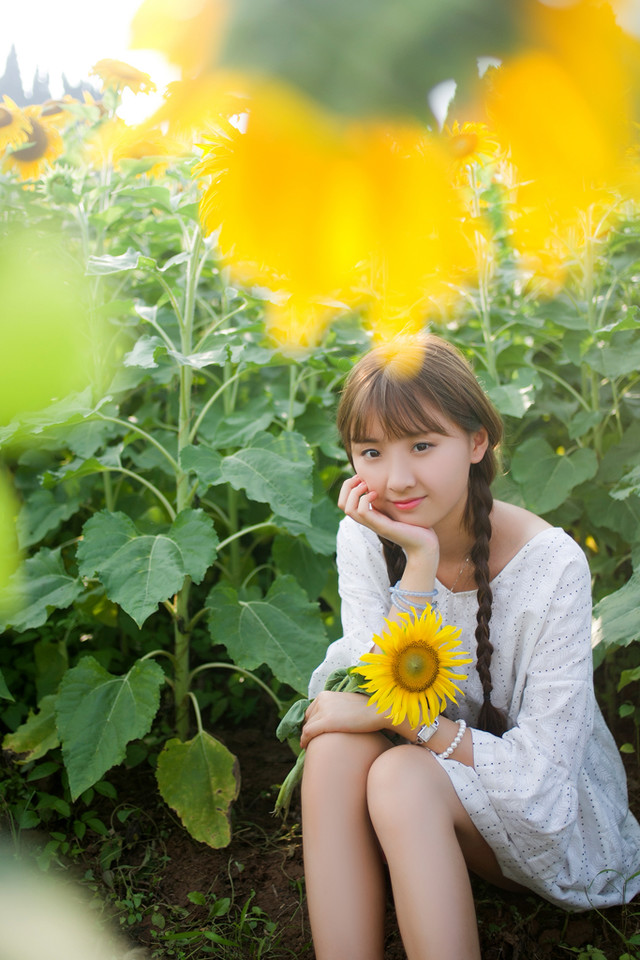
[{"x": 405, "y": 386}]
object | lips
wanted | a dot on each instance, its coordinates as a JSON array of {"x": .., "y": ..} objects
[{"x": 408, "y": 504}]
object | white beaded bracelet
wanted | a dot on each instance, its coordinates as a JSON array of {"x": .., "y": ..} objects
[{"x": 462, "y": 726}]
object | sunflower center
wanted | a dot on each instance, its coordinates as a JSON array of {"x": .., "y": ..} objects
[
  {"x": 5, "y": 117},
  {"x": 51, "y": 109},
  {"x": 464, "y": 144},
  {"x": 416, "y": 667},
  {"x": 37, "y": 146}
]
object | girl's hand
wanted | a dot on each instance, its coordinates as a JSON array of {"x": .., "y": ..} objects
[
  {"x": 338, "y": 712},
  {"x": 358, "y": 502}
]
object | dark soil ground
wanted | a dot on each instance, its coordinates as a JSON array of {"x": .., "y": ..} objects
[{"x": 262, "y": 871}]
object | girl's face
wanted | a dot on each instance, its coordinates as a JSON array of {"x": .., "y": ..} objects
[{"x": 422, "y": 478}]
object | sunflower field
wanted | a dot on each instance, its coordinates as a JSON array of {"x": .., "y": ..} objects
[{"x": 181, "y": 301}]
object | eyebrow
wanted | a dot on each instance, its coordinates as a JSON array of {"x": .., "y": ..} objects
[{"x": 409, "y": 436}]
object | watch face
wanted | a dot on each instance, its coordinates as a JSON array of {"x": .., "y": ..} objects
[{"x": 425, "y": 733}]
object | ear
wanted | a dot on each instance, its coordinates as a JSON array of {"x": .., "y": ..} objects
[{"x": 479, "y": 444}]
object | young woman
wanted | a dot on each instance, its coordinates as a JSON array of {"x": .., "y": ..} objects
[{"x": 531, "y": 793}]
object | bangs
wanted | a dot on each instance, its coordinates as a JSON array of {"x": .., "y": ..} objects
[{"x": 394, "y": 405}]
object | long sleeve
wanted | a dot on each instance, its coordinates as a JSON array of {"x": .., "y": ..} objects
[{"x": 364, "y": 590}]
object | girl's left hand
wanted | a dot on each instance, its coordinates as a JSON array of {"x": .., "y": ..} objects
[{"x": 340, "y": 712}]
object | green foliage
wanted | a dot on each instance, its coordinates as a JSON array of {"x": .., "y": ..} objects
[{"x": 152, "y": 500}]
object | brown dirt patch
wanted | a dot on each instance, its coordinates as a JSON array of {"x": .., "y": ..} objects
[{"x": 263, "y": 866}]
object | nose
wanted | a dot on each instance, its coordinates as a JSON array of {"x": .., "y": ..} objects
[{"x": 401, "y": 476}]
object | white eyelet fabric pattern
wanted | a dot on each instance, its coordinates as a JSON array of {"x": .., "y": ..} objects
[{"x": 550, "y": 795}]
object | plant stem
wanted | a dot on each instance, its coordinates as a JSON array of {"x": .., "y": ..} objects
[
  {"x": 212, "y": 399},
  {"x": 143, "y": 433},
  {"x": 264, "y": 525},
  {"x": 146, "y": 483},
  {"x": 196, "y": 709},
  {"x": 181, "y": 630},
  {"x": 245, "y": 673}
]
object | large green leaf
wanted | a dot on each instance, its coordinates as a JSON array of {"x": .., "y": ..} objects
[
  {"x": 616, "y": 357},
  {"x": 547, "y": 478},
  {"x": 274, "y": 470},
  {"x": 321, "y": 530},
  {"x": 73, "y": 409},
  {"x": 139, "y": 571},
  {"x": 80, "y": 467},
  {"x": 200, "y": 780},
  {"x": 42, "y": 512},
  {"x": 37, "y": 735},
  {"x": 51, "y": 663},
  {"x": 194, "y": 533},
  {"x": 616, "y": 621},
  {"x": 629, "y": 484},
  {"x": 294, "y": 556},
  {"x": 513, "y": 399},
  {"x": 204, "y": 462},
  {"x": 5, "y": 693},
  {"x": 145, "y": 352},
  {"x": 240, "y": 427},
  {"x": 42, "y": 585},
  {"x": 107, "y": 264},
  {"x": 98, "y": 714},
  {"x": 283, "y": 630},
  {"x": 621, "y": 455}
]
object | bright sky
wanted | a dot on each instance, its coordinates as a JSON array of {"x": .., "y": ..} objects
[{"x": 69, "y": 36}]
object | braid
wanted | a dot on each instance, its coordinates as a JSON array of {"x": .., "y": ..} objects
[
  {"x": 479, "y": 504},
  {"x": 395, "y": 559}
]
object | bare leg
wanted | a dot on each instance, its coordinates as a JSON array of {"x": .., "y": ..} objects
[
  {"x": 345, "y": 879},
  {"x": 421, "y": 826}
]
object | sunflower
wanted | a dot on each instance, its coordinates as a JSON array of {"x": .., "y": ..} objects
[
  {"x": 116, "y": 73},
  {"x": 13, "y": 125},
  {"x": 188, "y": 33},
  {"x": 54, "y": 111},
  {"x": 470, "y": 143},
  {"x": 44, "y": 145},
  {"x": 412, "y": 677},
  {"x": 113, "y": 141}
]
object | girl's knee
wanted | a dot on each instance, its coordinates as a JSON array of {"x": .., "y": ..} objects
[
  {"x": 400, "y": 779},
  {"x": 332, "y": 757}
]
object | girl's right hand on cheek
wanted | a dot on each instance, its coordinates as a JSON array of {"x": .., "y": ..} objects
[{"x": 358, "y": 502}]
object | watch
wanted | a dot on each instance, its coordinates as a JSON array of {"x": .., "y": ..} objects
[{"x": 426, "y": 731}]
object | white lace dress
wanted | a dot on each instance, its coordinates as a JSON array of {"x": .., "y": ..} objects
[{"x": 550, "y": 795}]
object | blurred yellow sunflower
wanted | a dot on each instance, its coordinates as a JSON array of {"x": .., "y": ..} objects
[
  {"x": 114, "y": 141},
  {"x": 359, "y": 212},
  {"x": 44, "y": 144},
  {"x": 470, "y": 143},
  {"x": 98, "y": 105},
  {"x": 412, "y": 677},
  {"x": 567, "y": 124},
  {"x": 13, "y": 124},
  {"x": 118, "y": 74},
  {"x": 191, "y": 107},
  {"x": 53, "y": 111},
  {"x": 188, "y": 32}
]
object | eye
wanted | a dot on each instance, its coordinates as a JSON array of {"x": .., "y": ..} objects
[
  {"x": 421, "y": 446},
  {"x": 370, "y": 453}
]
